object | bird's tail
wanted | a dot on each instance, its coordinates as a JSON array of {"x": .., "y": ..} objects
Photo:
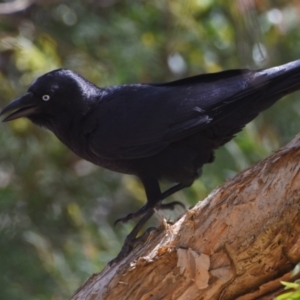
[
  {"x": 264, "y": 88},
  {"x": 278, "y": 81}
]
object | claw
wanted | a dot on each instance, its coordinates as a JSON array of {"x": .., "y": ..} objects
[
  {"x": 131, "y": 239},
  {"x": 142, "y": 211},
  {"x": 124, "y": 219},
  {"x": 145, "y": 208},
  {"x": 145, "y": 213}
]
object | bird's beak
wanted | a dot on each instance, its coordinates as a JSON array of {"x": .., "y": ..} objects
[{"x": 21, "y": 107}]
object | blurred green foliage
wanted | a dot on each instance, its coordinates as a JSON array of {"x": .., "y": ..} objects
[
  {"x": 292, "y": 291},
  {"x": 56, "y": 210}
]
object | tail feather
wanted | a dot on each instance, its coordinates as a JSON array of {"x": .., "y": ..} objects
[{"x": 265, "y": 88}]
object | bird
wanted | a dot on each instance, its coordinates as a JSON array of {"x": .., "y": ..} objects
[{"x": 154, "y": 131}]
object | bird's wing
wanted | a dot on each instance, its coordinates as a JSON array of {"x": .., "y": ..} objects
[{"x": 135, "y": 121}]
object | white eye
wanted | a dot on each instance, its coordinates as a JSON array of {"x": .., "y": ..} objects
[{"x": 46, "y": 97}]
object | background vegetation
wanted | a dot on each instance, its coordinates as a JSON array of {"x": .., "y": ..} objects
[{"x": 56, "y": 210}]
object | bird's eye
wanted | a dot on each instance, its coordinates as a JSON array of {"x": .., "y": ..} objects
[{"x": 46, "y": 97}]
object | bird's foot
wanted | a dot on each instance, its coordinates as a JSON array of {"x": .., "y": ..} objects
[
  {"x": 171, "y": 205},
  {"x": 131, "y": 240},
  {"x": 142, "y": 211},
  {"x": 129, "y": 245}
]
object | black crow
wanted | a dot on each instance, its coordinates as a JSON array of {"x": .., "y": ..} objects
[{"x": 154, "y": 130}]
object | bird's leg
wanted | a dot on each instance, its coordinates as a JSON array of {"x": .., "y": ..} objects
[
  {"x": 168, "y": 193},
  {"x": 172, "y": 190},
  {"x": 131, "y": 238},
  {"x": 149, "y": 205},
  {"x": 153, "y": 194},
  {"x": 171, "y": 205},
  {"x": 134, "y": 215},
  {"x": 154, "y": 198},
  {"x": 134, "y": 232}
]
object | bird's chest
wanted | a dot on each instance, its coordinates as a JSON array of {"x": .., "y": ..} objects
[
  {"x": 77, "y": 138},
  {"x": 71, "y": 134}
]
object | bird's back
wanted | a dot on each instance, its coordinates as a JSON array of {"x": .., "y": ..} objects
[{"x": 170, "y": 130}]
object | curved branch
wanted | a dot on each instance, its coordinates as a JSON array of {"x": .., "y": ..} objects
[{"x": 236, "y": 244}]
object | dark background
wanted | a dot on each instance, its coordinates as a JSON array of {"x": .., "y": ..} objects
[{"x": 56, "y": 210}]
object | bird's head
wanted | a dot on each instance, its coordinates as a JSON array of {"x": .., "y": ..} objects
[{"x": 55, "y": 95}]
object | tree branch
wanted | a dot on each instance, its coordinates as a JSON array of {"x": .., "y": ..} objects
[{"x": 236, "y": 244}]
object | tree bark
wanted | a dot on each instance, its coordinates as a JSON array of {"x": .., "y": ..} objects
[{"x": 238, "y": 243}]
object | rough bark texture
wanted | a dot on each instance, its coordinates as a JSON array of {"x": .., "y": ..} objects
[{"x": 236, "y": 244}]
